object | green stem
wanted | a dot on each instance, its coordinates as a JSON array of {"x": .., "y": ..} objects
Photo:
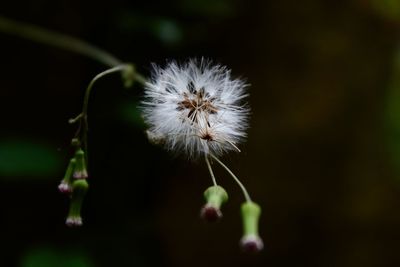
[
  {"x": 84, "y": 114},
  {"x": 211, "y": 171},
  {"x": 245, "y": 193},
  {"x": 66, "y": 42},
  {"x": 62, "y": 41}
]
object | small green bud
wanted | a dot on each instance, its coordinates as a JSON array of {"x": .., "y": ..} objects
[
  {"x": 80, "y": 171},
  {"x": 251, "y": 241},
  {"x": 215, "y": 197},
  {"x": 65, "y": 186},
  {"x": 79, "y": 189}
]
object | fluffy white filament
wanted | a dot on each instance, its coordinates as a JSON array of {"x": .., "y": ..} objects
[{"x": 196, "y": 107}]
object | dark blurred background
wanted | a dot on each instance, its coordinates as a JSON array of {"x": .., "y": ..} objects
[{"x": 322, "y": 157}]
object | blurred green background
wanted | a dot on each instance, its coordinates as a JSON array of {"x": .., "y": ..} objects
[{"x": 322, "y": 157}]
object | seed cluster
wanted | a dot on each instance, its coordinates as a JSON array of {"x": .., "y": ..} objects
[{"x": 196, "y": 107}]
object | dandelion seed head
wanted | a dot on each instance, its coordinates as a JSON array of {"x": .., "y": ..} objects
[{"x": 196, "y": 107}]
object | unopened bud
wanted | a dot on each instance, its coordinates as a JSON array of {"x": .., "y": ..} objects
[
  {"x": 215, "y": 197},
  {"x": 251, "y": 241},
  {"x": 80, "y": 171},
  {"x": 79, "y": 189},
  {"x": 65, "y": 186}
]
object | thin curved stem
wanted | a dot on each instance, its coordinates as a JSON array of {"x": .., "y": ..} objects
[
  {"x": 211, "y": 171},
  {"x": 92, "y": 82},
  {"x": 245, "y": 193},
  {"x": 84, "y": 114},
  {"x": 66, "y": 42}
]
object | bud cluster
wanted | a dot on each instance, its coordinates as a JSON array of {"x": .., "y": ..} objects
[
  {"x": 215, "y": 196},
  {"x": 75, "y": 185}
]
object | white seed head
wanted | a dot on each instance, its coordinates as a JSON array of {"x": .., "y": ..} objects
[{"x": 197, "y": 107}]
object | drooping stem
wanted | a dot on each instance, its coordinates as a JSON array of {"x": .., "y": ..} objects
[
  {"x": 66, "y": 42},
  {"x": 84, "y": 115},
  {"x": 242, "y": 187},
  {"x": 211, "y": 171},
  {"x": 92, "y": 82}
]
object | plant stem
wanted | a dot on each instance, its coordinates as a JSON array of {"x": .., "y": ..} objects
[
  {"x": 245, "y": 193},
  {"x": 66, "y": 42},
  {"x": 84, "y": 115},
  {"x": 211, "y": 171}
]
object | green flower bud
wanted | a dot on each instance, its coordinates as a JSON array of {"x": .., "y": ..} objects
[
  {"x": 80, "y": 171},
  {"x": 251, "y": 241},
  {"x": 79, "y": 189},
  {"x": 65, "y": 186},
  {"x": 215, "y": 197}
]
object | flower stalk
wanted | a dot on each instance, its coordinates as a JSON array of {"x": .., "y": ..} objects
[{"x": 242, "y": 187}]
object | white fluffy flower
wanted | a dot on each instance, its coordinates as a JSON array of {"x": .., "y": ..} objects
[{"x": 196, "y": 107}]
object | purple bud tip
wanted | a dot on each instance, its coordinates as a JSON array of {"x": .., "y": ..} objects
[
  {"x": 251, "y": 243},
  {"x": 210, "y": 213},
  {"x": 73, "y": 221},
  {"x": 65, "y": 188}
]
